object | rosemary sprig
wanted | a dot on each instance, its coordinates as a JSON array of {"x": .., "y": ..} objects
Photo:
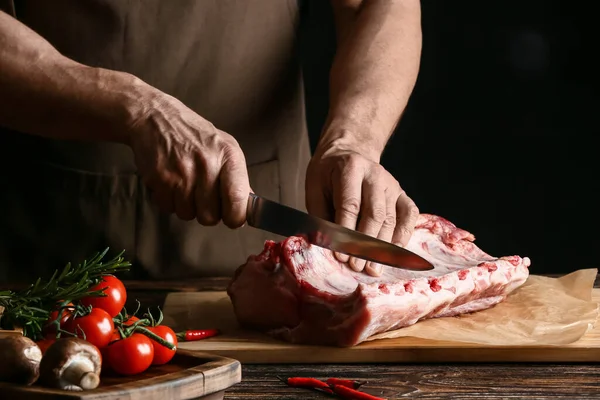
[{"x": 30, "y": 308}]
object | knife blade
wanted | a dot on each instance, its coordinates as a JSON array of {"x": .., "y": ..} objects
[{"x": 282, "y": 220}]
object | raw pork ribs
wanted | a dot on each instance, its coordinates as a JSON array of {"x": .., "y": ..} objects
[{"x": 301, "y": 294}]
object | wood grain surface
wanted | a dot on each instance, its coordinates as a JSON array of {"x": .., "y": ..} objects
[
  {"x": 435, "y": 381},
  {"x": 188, "y": 376}
]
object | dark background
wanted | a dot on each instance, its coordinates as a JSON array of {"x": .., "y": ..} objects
[{"x": 499, "y": 133}]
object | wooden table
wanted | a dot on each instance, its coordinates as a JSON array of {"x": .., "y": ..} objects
[{"x": 431, "y": 381}]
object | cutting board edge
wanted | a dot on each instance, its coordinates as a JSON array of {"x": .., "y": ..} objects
[
  {"x": 186, "y": 377},
  {"x": 422, "y": 355},
  {"x": 6, "y": 332}
]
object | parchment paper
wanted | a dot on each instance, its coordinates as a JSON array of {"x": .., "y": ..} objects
[{"x": 543, "y": 311}]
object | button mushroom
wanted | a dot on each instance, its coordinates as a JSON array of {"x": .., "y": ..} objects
[
  {"x": 71, "y": 364},
  {"x": 20, "y": 359}
]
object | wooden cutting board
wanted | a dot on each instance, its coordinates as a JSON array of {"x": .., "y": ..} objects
[
  {"x": 256, "y": 348},
  {"x": 9, "y": 332},
  {"x": 189, "y": 375}
]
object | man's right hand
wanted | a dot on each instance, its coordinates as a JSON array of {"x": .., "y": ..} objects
[{"x": 193, "y": 169}]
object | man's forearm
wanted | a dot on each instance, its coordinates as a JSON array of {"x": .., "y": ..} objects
[
  {"x": 374, "y": 71},
  {"x": 47, "y": 94}
]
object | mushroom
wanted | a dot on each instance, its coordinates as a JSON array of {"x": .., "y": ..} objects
[
  {"x": 71, "y": 364},
  {"x": 20, "y": 359}
]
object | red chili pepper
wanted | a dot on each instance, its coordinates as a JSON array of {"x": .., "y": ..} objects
[
  {"x": 345, "y": 382},
  {"x": 198, "y": 334},
  {"x": 309, "y": 383},
  {"x": 353, "y": 394}
]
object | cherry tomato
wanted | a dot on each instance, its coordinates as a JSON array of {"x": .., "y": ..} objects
[
  {"x": 115, "y": 298},
  {"x": 131, "y": 320},
  {"x": 104, "y": 352},
  {"x": 114, "y": 337},
  {"x": 98, "y": 327},
  {"x": 163, "y": 354},
  {"x": 127, "y": 323},
  {"x": 50, "y": 328},
  {"x": 45, "y": 343},
  {"x": 131, "y": 355}
]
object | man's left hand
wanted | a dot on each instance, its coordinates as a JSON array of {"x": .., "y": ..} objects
[{"x": 344, "y": 186}]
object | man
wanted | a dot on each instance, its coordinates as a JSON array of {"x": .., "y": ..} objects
[{"x": 143, "y": 126}]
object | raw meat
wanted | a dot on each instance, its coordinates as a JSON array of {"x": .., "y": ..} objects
[{"x": 301, "y": 294}]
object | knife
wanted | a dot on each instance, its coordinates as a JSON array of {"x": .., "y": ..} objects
[{"x": 282, "y": 220}]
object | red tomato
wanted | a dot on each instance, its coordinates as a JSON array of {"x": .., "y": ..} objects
[
  {"x": 162, "y": 354},
  {"x": 114, "y": 337},
  {"x": 131, "y": 355},
  {"x": 50, "y": 329},
  {"x": 131, "y": 320},
  {"x": 104, "y": 352},
  {"x": 127, "y": 323},
  {"x": 45, "y": 343},
  {"x": 98, "y": 327},
  {"x": 115, "y": 298}
]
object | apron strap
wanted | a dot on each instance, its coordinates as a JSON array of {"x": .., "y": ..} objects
[{"x": 8, "y": 6}]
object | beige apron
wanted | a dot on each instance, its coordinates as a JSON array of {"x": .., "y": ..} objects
[{"x": 231, "y": 61}]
